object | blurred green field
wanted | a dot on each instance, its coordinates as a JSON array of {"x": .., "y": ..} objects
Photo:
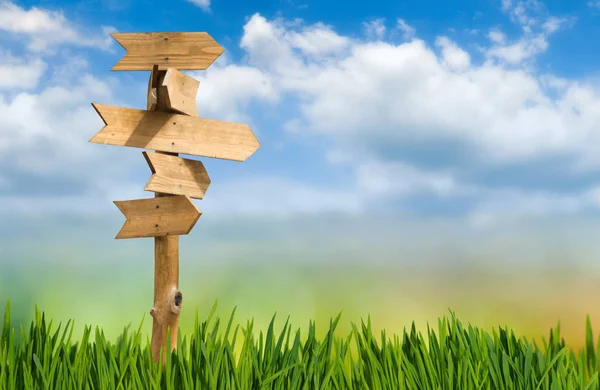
[
  {"x": 116, "y": 295},
  {"x": 393, "y": 268}
]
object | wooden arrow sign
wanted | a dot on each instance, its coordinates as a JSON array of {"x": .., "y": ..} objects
[
  {"x": 175, "y": 133},
  {"x": 178, "y": 89},
  {"x": 176, "y": 175},
  {"x": 191, "y": 50},
  {"x": 155, "y": 217}
]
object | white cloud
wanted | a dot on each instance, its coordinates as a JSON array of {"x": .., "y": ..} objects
[
  {"x": 318, "y": 40},
  {"x": 537, "y": 25},
  {"x": 377, "y": 94},
  {"x": 278, "y": 195},
  {"x": 62, "y": 73},
  {"x": 519, "y": 51},
  {"x": 375, "y": 29},
  {"x": 553, "y": 24},
  {"x": 44, "y": 135},
  {"x": 524, "y": 12},
  {"x": 203, "y": 4},
  {"x": 15, "y": 73},
  {"x": 268, "y": 46},
  {"x": 102, "y": 192},
  {"x": 594, "y": 4},
  {"x": 500, "y": 206},
  {"x": 408, "y": 31},
  {"x": 453, "y": 57},
  {"x": 49, "y": 165},
  {"x": 385, "y": 94},
  {"x": 497, "y": 36},
  {"x": 45, "y": 28},
  {"x": 279, "y": 47},
  {"x": 376, "y": 179},
  {"x": 226, "y": 90},
  {"x": 367, "y": 99}
]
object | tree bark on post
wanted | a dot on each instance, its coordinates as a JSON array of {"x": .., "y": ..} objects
[{"x": 167, "y": 297}]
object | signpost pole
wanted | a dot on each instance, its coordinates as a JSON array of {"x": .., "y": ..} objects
[
  {"x": 170, "y": 125},
  {"x": 167, "y": 297}
]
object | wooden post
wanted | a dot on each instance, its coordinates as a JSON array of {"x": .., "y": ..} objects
[
  {"x": 169, "y": 125},
  {"x": 167, "y": 297}
]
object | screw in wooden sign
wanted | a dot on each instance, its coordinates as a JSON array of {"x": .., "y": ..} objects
[{"x": 170, "y": 125}]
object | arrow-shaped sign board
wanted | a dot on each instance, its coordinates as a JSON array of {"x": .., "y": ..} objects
[
  {"x": 176, "y": 175},
  {"x": 191, "y": 50},
  {"x": 179, "y": 91},
  {"x": 156, "y": 217},
  {"x": 175, "y": 133}
]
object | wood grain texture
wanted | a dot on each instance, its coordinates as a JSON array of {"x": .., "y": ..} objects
[
  {"x": 180, "y": 92},
  {"x": 175, "y": 133},
  {"x": 152, "y": 89},
  {"x": 168, "y": 300},
  {"x": 167, "y": 307},
  {"x": 156, "y": 217},
  {"x": 176, "y": 175},
  {"x": 179, "y": 50}
]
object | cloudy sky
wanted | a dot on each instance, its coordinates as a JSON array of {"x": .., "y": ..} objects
[
  {"x": 477, "y": 110},
  {"x": 432, "y": 132}
]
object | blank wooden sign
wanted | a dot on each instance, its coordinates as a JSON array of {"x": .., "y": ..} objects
[
  {"x": 179, "y": 50},
  {"x": 176, "y": 175},
  {"x": 156, "y": 217}
]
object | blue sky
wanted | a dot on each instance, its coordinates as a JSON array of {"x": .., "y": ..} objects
[
  {"x": 455, "y": 136},
  {"x": 477, "y": 111}
]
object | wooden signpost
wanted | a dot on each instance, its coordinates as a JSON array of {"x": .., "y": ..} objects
[{"x": 170, "y": 125}]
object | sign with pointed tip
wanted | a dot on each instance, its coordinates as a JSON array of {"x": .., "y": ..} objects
[
  {"x": 180, "y": 91},
  {"x": 177, "y": 90},
  {"x": 176, "y": 175},
  {"x": 156, "y": 217},
  {"x": 174, "y": 133},
  {"x": 170, "y": 125},
  {"x": 179, "y": 50}
]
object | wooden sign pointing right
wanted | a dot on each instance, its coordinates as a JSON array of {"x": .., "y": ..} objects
[
  {"x": 175, "y": 133},
  {"x": 156, "y": 217},
  {"x": 192, "y": 50}
]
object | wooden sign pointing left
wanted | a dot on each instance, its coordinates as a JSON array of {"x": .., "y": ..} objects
[
  {"x": 192, "y": 50},
  {"x": 156, "y": 217},
  {"x": 176, "y": 175}
]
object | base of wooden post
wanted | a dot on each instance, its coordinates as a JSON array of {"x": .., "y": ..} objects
[{"x": 167, "y": 297}]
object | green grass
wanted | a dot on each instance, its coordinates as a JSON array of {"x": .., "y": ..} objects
[{"x": 228, "y": 357}]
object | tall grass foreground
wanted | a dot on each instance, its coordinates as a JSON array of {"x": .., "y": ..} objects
[{"x": 454, "y": 357}]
